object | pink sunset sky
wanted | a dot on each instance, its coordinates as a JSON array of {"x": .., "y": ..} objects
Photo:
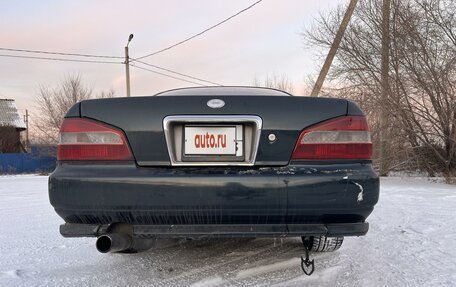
[{"x": 264, "y": 40}]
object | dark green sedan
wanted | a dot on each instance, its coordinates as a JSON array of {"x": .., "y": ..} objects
[{"x": 214, "y": 162}]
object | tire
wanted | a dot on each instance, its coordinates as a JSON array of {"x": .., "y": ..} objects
[{"x": 322, "y": 243}]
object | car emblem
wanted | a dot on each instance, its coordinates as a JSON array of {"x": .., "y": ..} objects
[{"x": 216, "y": 103}]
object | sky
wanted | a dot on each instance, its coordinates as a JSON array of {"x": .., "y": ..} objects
[{"x": 262, "y": 41}]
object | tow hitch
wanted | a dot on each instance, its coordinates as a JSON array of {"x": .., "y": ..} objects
[{"x": 307, "y": 265}]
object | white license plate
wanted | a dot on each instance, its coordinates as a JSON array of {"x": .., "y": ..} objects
[{"x": 210, "y": 140}]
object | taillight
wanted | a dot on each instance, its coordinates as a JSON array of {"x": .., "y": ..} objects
[
  {"x": 340, "y": 138},
  {"x": 84, "y": 139}
]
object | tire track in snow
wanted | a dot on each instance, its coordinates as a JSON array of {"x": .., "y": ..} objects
[
  {"x": 198, "y": 271},
  {"x": 251, "y": 272},
  {"x": 260, "y": 267}
]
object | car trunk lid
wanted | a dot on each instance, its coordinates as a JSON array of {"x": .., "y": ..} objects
[{"x": 142, "y": 120}]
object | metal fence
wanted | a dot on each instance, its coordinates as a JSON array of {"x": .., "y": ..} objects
[{"x": 40, "y": 159}]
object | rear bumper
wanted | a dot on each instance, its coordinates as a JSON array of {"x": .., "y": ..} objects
[
  {"x": 221, "y": 231},
  {"x": 300, "y": 199}
]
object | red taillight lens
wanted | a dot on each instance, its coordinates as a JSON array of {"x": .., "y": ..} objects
[
  {"x": 84, "y": 139},
  {"x": 341, "y": 138}
]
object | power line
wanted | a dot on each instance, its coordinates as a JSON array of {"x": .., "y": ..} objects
[
  {"x": 60, "y": 53},
  {"x": 177, "y": 73},
  {"x": 60, "y": 59},
  {"x": 200, "y": 33},
  {"x": 166, "y": 75},
  {"x": 110, "y": 62}
]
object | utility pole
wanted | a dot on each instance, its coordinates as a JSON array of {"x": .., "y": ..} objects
[
  {"x": 386, "y": 40},
  {"x": 127, "y": 65},
  {"x": 26, "y": 120},
  {"x": 335, "y": 45}
]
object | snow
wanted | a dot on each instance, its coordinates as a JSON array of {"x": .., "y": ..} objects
[{"x": 411, "y": 242}]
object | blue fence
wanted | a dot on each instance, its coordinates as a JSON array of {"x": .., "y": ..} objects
[{"x": 40, "y": 159}]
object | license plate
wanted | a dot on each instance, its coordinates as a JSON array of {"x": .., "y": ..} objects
[{"x": 212, "y": 140}]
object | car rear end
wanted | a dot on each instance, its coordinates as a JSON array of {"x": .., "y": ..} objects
[{"x": 217, "y": 162}]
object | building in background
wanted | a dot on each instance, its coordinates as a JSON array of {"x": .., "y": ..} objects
[
  {"x": 11, "y": 126},
  {"x": 13, "y": 156}
]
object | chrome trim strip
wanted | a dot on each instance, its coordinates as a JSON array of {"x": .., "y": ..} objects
[{"x": 256, "y": 120}]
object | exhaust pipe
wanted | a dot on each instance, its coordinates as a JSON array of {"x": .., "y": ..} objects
[
  {"x": 114, "y": 242},
  {"x": 118, "y": 242}
]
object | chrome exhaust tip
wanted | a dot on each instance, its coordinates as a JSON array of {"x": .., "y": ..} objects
[{"x": 113, "y": 242}]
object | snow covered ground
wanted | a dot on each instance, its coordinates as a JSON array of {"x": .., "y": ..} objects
[{"x": 412, "y": 242}]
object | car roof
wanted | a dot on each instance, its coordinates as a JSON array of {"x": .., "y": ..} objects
[{"x": 224, "y": 91}]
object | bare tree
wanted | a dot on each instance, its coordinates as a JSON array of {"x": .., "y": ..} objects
[
  {"x": 53, "y": 103},
  {"x": 276, "y": 82},
  {"x": 422, "y": 98},
  {"x": 106, "y": 95}
]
